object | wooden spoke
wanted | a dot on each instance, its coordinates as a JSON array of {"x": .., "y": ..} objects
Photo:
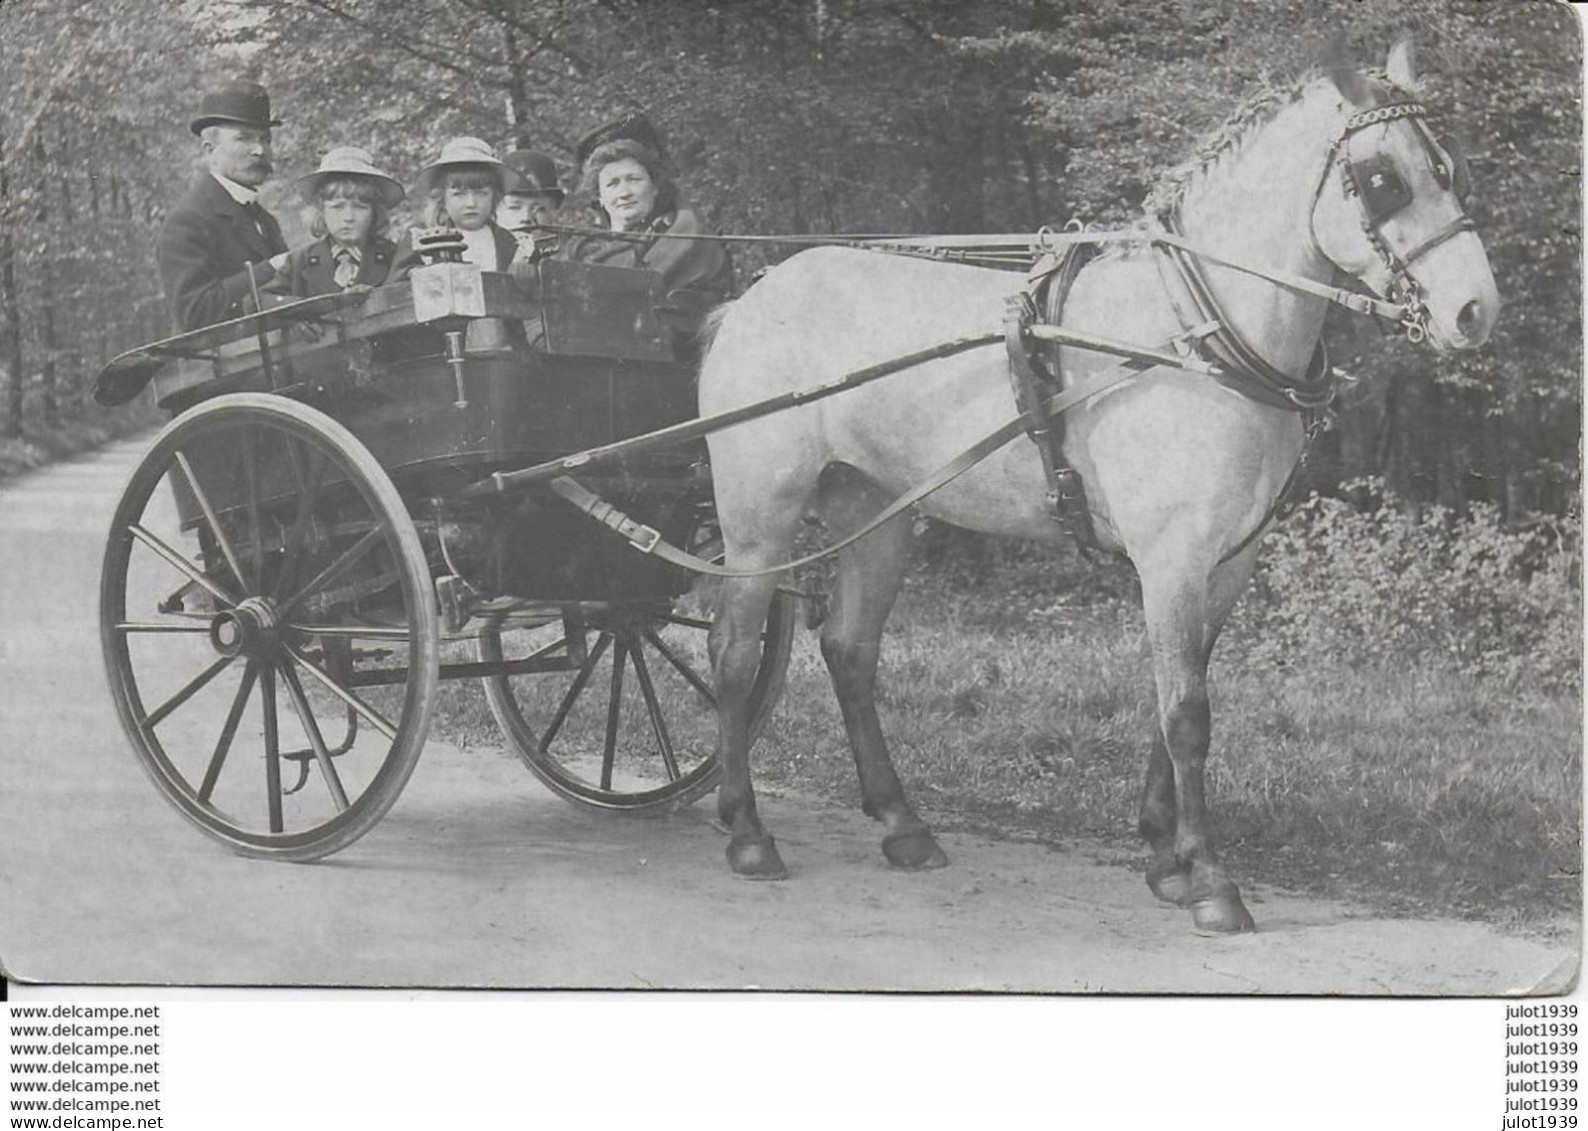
[
  {"x": 159, "y": 714},
  {"x": 351, "y": 631},
  {"x": 308, "y": 495},
  {"x": 371, "y": 716},
  {"x": 213, "y": 519},
  {"x": 695, "y": 679},
  {"x": 340, "y": 566},
  {"x": 162, "y": 626},
  {"x": 687, "y": 622},
  {"x": 574, "y": 691},
  {"x": 267, "y": 699},
  {"x": 620, "y": 651},
  {"x": 664, "y": 742},
  {"x": 181, "y": 564},
  {"x": 255, "y": 526},
  {"x": 311, "y": 727},
  {"x": 223, "y": 745}
]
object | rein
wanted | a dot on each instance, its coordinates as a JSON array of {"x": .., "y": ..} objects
[
  {"x": 1021, "y": 251},
  {"x": 1236, "y": 361}
]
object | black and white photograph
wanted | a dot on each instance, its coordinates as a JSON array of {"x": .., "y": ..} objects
[{"x": 1017, "y": 501}]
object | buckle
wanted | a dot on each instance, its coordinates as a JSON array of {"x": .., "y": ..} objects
[
  {"x": 1067, "y": 484},
  {"x": 644, "y": 537}
]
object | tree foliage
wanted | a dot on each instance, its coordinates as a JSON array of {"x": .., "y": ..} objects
[{"x": 815, "y": 116}]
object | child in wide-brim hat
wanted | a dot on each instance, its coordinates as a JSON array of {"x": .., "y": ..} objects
[
  {"x": 351, "y": 202},
  {"x": 464, "y": 185}
]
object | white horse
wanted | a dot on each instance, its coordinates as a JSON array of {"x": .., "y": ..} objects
[{"x": 1179, "y": 469}]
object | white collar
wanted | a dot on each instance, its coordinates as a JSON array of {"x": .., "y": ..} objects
[{"x": 242, "y": 194}]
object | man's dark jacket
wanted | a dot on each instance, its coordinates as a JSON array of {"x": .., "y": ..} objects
[{"x": 205, "y": 244}]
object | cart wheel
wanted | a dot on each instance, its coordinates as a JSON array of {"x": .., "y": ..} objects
[
  {"x": 631, "y": 724},
  {"x": 269, "y": 627}
]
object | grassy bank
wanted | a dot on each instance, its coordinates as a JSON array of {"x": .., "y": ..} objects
[
  {"x": 1422, "y": 790},
  {"x": 42, "y": 444}
]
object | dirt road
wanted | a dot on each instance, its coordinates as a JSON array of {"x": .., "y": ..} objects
[{"x": 479, "y": 877}]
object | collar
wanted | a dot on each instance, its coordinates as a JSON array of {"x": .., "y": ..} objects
[{"x": 242, "y": 194}]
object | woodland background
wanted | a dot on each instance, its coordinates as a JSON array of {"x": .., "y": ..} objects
[{"x": 811, "y": 116}]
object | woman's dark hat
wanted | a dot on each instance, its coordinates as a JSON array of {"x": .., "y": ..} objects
[
  {"x": 529, "y": 171},
  {"x": 632, "y": 127},
  {"x": 238, "y": 103}
]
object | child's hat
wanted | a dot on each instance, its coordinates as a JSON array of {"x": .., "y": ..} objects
[
  {"x": 634, "y": 126},
  {"x": 462, "y": 153},
  {"x": 529, "y": 171},
  {"x": 350, "y": 161}
]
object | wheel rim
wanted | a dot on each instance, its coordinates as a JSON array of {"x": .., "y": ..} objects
[
  {"x": 268, "y": 627},
  {"x": 631, "y": 725}
]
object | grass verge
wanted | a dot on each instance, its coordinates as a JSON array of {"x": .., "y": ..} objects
[{"x": 42, "y": 444}]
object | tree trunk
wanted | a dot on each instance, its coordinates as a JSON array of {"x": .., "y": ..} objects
[
  {"x": 12, "y": 303},
  {"x": 517, "y": 92},
  {"x": 50, "y": 402}
]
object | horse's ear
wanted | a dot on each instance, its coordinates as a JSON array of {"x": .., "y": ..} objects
[
  {"x": 1340, "y": 68},
  {"x": 1402, "y": 65}
]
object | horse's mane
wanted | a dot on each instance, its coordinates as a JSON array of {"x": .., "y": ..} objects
[
  {"x": 1259, "y": 108},
  {"x": 1169, "y": 194}
]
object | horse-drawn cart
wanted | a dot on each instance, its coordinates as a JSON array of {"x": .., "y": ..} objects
[
  {"x": 294, "y": 568},
  {"x": 342, "y": 510}
]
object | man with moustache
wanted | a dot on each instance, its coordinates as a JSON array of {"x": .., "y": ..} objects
[{"x": 219, "y": 228}]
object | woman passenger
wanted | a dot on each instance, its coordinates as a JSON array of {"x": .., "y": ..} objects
[{"x": 627, "y": 175}]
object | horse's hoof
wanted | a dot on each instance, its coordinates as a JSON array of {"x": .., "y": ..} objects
[
  {"x": 914, "y": 851},
  {"x": 1222, "y": 913},
  {"x": 756, "y": 859},
  {"x": 1170, "y": 883}
]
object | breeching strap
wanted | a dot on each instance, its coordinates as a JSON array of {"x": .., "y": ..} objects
[{"x": 648, "y": 540}]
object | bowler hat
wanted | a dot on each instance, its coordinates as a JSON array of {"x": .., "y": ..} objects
[
  {"x": 461, "y": 153},
  {"x": 634, "y": 126},
  {"x": 239, "y": 103},
  {"x": 529, "y": 171},
  {"x": 350, "y": 161}
]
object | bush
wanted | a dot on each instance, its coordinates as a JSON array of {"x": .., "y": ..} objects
[{"x": 1372, "y": 585}]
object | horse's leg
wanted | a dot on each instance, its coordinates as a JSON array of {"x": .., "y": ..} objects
[
  {"x": 1184, "y": 615},
  {"x": 869, "y": 576},
  {"x": 759, "y": 538}
]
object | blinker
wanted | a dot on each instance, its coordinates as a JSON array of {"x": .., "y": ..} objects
[
  {"x": 1450, "y": 167},
  {"x": 1384, "y": 191}
]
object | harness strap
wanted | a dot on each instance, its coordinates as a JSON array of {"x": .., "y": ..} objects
[
  {"x": 648, "y": 540},
  {"x": 1283, "y": 501},
  {"x": 1244, "y": 369},
  {"x": 1066, "y": 496},
  {"x": 1450, "y": 231}
]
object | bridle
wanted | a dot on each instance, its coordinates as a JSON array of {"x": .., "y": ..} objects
[{"x": 1381, "y": 191}]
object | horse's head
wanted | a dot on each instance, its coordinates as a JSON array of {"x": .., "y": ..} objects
[{"x": 1390, "y": 209}]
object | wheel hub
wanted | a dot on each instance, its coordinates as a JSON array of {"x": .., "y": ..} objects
[{"x": 251, "y": 629}]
